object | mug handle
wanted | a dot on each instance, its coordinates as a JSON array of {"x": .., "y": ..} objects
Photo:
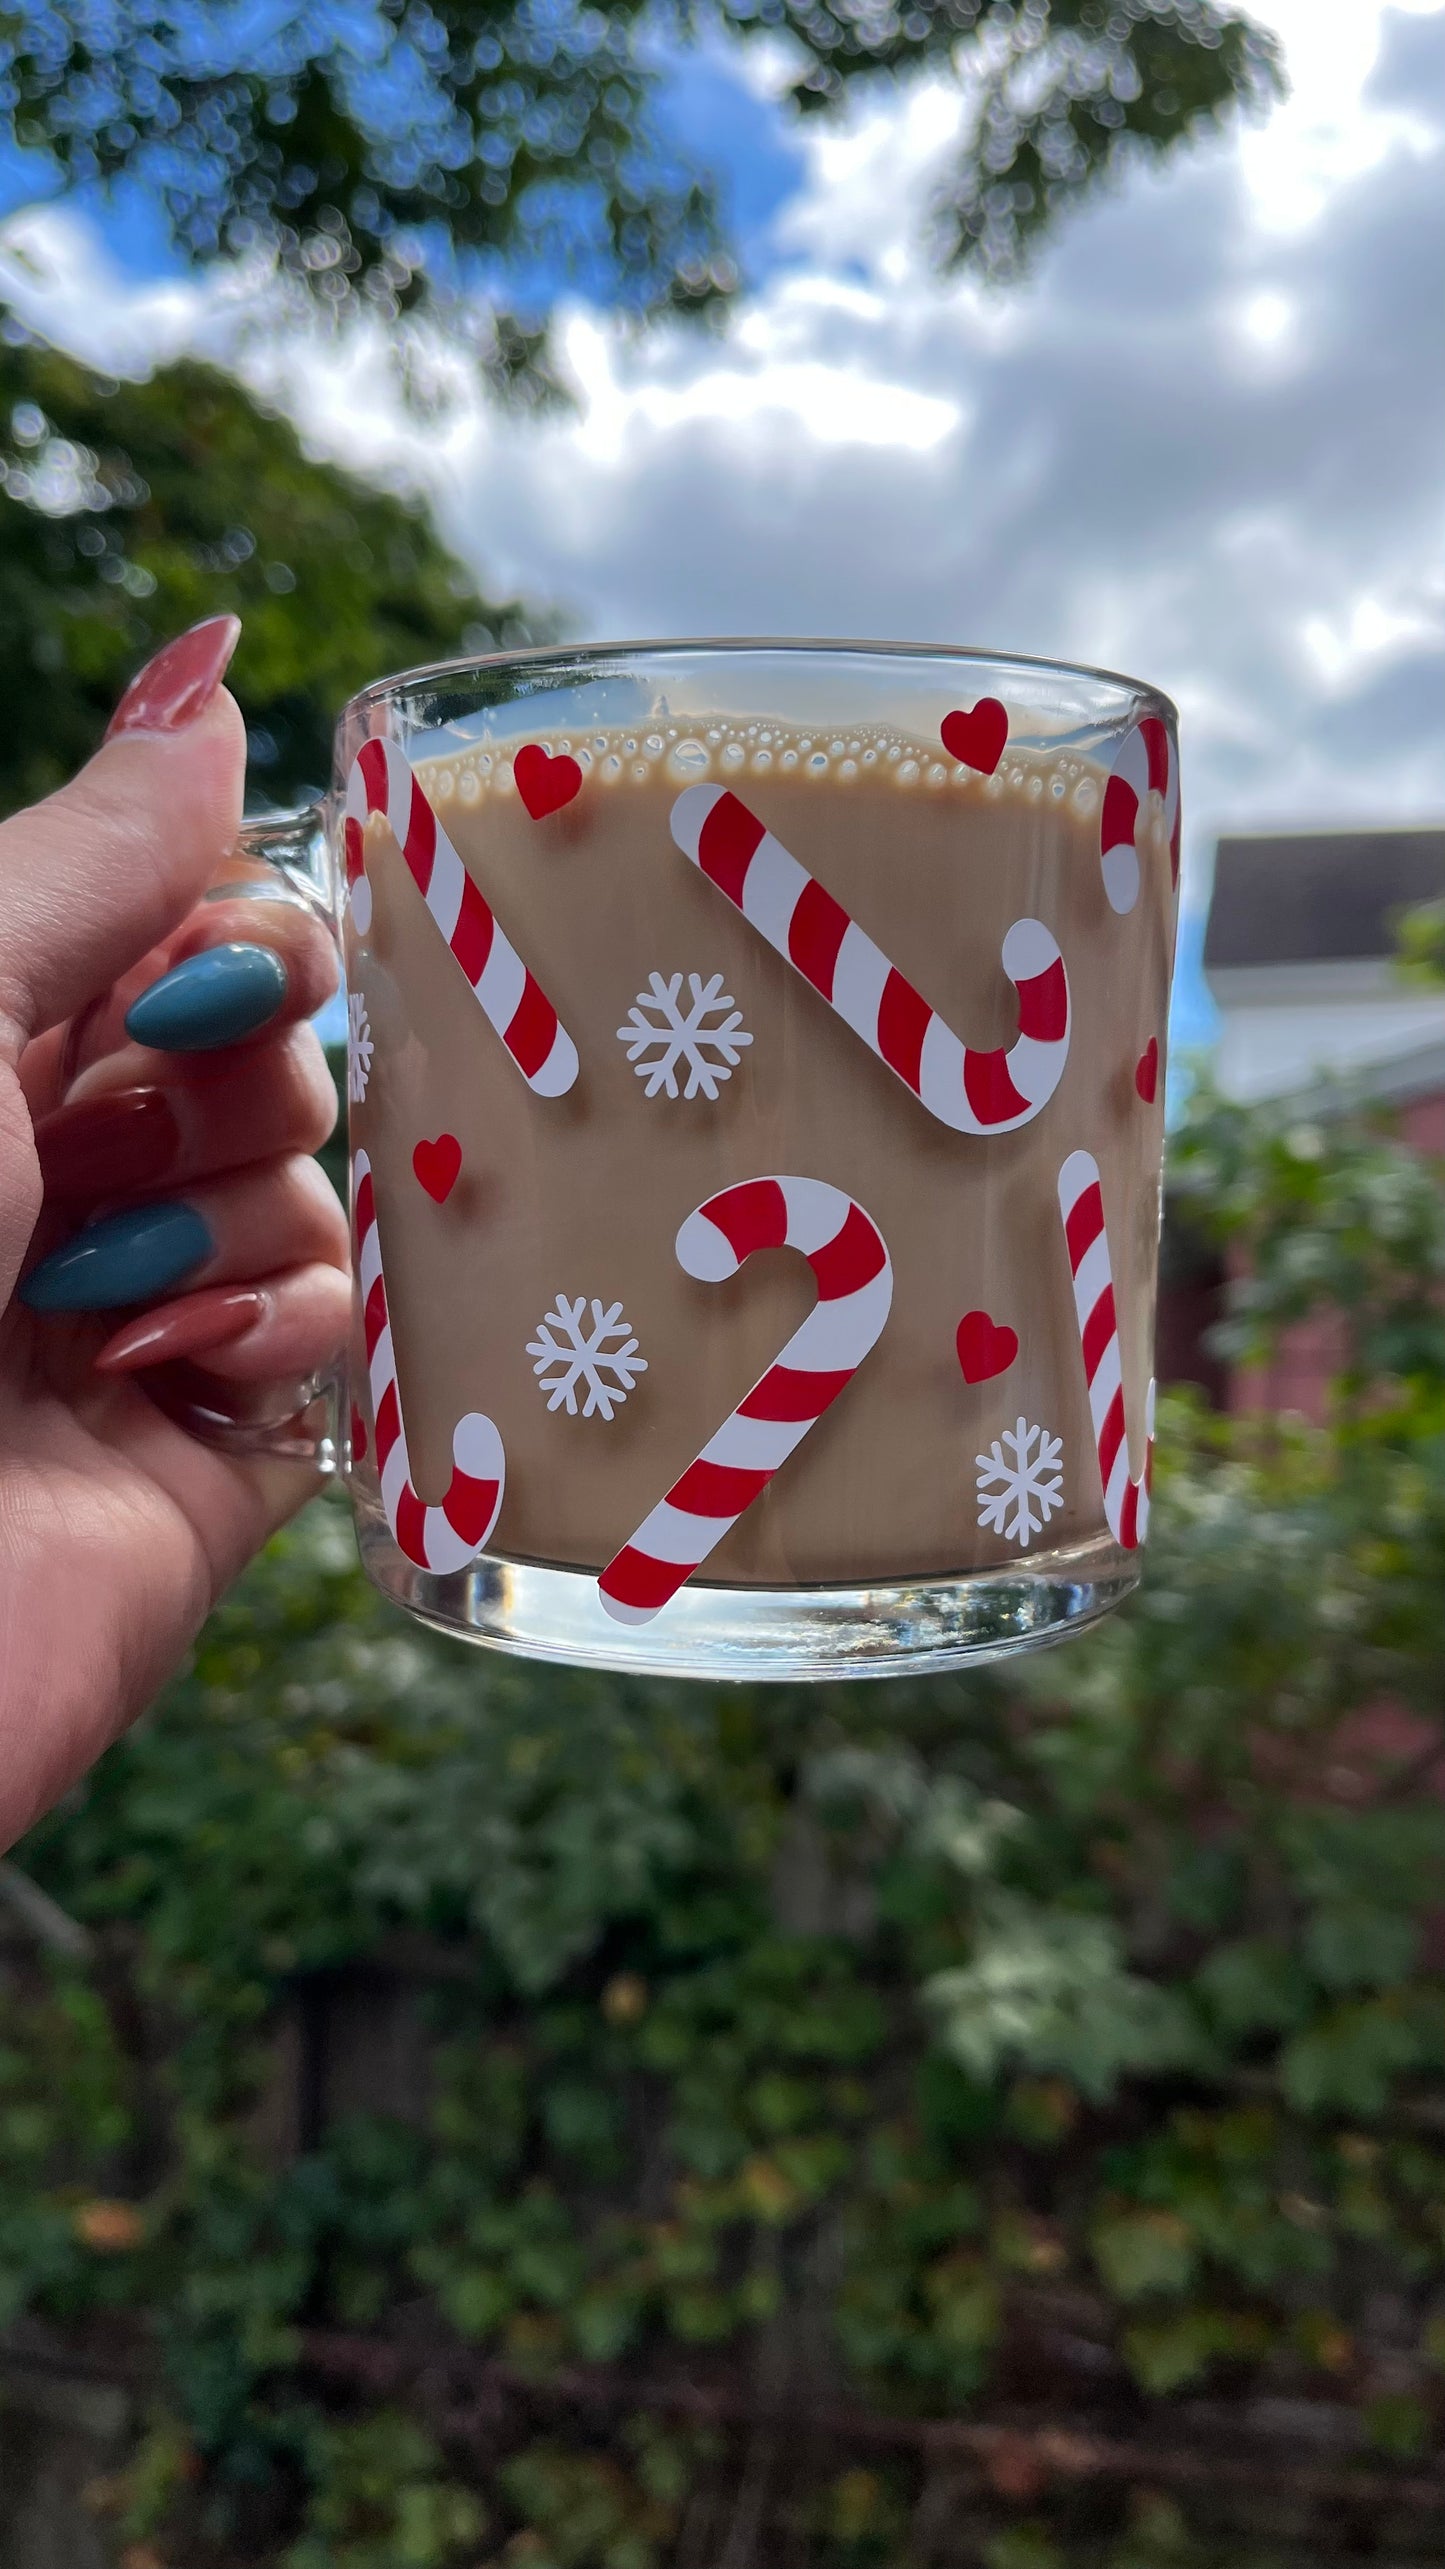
[{"x": 278, "y": 856}]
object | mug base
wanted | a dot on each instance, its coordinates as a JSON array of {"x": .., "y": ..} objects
[{"x": 895, "y": 1628}]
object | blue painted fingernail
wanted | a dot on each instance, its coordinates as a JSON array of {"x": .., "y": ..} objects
[
  {"x": 129, "y": 1257},
  {"x": 211, "y": 999}
]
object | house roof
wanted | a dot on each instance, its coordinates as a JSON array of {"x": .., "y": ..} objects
[{"x": 1319, "y": 896}]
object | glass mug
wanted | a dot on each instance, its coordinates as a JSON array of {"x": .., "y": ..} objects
[{"x": 755, "y": 1072}]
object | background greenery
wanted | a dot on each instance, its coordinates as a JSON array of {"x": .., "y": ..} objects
[
  {"x": 129, "y": 510},
  {"x": 505, "y": 2117},
  {"x": 469, "y": 158},
  {"x": 438, "y": 171}
]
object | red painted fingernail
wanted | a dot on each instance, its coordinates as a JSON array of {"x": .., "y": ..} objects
[
  {"x": 106, "y": 1145},
  {"x": 189, "y": 1328},
  {"x": 176, "y": 686}
]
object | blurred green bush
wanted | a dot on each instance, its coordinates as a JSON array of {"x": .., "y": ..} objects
[
  {"x": 509, "y": 2117},
  {"x": 128, "y": 510}
]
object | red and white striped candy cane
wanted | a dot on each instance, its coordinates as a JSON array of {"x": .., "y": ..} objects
[
  {"x": 436, "y": 1538},
  {"x": 1081, "y": 1202},
  {"x": 969, "y": 1091},
  {"x": 511, "y": 1001},
  {"x": 854, "y": 1277},
  {"x": 1146, "y": 762}
]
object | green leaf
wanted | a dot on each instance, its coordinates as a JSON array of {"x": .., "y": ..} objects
[
  {"x": 1165, "y": 2353},
  {"x": 1023, "y": 2546},
  {"x": 1399, "y": 2425},
  {"x": 1255, "y": 1985},
  {"x": 1355, "y": 1946},
  {"x": 1139, "y": 2252},
  {"x": 1350, "y": 2061},
  {"x": 477, "y": 2300},
  {"x": 1052, "y": 1991}
]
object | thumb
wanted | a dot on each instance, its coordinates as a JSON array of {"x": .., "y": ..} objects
[{"x": 99, "y": 872}]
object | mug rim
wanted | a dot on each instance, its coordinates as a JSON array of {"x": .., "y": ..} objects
[{"x": 535, "y": 654}]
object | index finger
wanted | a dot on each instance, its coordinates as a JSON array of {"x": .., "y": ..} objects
[{"x": 238, "y": 970}]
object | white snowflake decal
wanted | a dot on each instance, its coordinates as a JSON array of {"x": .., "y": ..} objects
[
  {"x": 661, "y": 1032},
  {"x": 578, "y": 1354},
  {"x": 1028, "y": 1482},
  {"x": 359, "y": 1047}
]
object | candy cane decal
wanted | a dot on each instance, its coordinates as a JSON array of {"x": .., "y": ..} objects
[
  {"x": 1081, "y": 1202},
  {"x": 854, "y": 1277},
  {"x": 969, "y": 1091},
  {"x": 511, "y": 1001},
  {"x": 1146, "y": 762},
  {"x": 435, "y": 1538}
]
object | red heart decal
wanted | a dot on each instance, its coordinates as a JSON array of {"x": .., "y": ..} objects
[
  {"x": 358, "y": 1435},
  {"x": 1146, "y": 1071},
  {"x": 977, "y": 739},
  {"x": 545, "y": 783},
  {"x": 985, "y": 1348},
  {"x": 438, "y": 1165}
]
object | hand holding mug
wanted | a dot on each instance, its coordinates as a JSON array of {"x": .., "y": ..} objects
[
  {"x": 161, "y": 1093},
  {"x": 755, "y": 1067}
]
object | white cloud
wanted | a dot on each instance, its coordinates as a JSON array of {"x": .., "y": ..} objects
[
  {"x": 1326, "y": 133},
  {"x": 1201, "y": 442},
  {"x": 757, "y": 390},
  {"x": 54, "y": 271}
]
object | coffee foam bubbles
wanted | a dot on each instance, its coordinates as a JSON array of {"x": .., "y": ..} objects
[{"x": 729, "y": 751}]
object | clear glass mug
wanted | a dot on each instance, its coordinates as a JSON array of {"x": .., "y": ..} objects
[{"x": 756, "y": 1075}]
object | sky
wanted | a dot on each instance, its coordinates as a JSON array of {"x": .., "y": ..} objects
[{"x": 1201, "y": 443}]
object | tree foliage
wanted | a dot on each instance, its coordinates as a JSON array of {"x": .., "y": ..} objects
[
  {"x": 522, "y": 2119},
  {"x": 1325, "y": 1212},
  {"x": 1422, "y": 943},
  {"x": 127, "y": 510},
  {"x": 382, "y": 152}
]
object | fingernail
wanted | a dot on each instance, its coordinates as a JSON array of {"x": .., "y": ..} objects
[
  {"x": 191, "y": 1328},
  {"x": 106, "y": 1145},
  {"x": 213, "y": 998},
  {"x": 176, "y": 686},
  {"x": 129, "y": 1257}
]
